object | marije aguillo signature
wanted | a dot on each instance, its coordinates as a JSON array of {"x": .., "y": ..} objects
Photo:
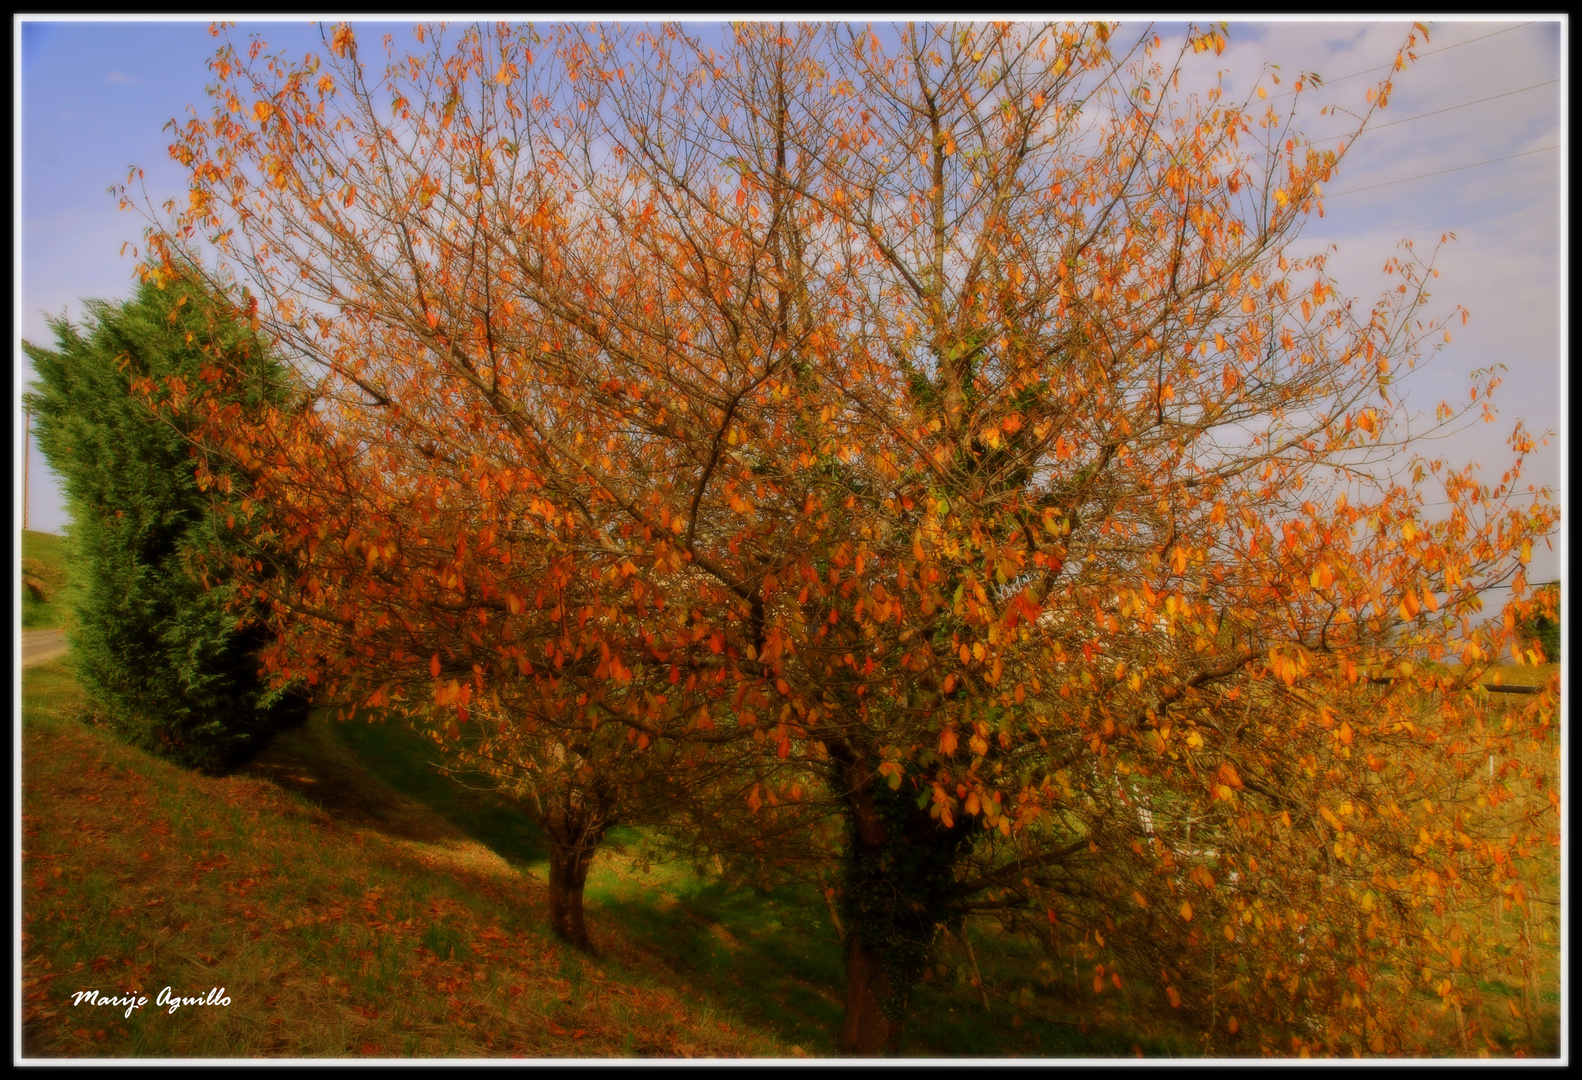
[{"x": 165, "y": 1000}]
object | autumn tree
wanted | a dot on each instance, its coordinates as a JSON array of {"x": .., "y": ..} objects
[
  {"x": 937, "y": 411},
  {"x": 402, "y": 554}
]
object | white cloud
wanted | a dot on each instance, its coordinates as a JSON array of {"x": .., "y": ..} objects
[{"x": 123, "y": 80}]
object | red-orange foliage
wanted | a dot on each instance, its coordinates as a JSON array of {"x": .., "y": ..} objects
[{"x": 935, "y": 413}]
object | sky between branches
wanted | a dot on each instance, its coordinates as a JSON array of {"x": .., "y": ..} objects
[{"x": 1473, "y": 142}]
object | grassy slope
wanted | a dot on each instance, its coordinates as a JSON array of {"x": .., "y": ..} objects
[
  {"x": 354, "y": 902},
  {"x": 1520, "y": 973},
  {"x": 50, "y": 550},
  {"x": 772, "y": 959},
  {"x": 769, "y": 960},
  {"x": 331, "y": 939},
  {"x": 348, "y": 913}
]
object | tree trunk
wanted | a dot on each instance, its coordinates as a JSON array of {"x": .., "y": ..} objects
[
  {"x": 867, "y": 1032},
  {"x": 900, "y": 863},
  {"x": 568, "y": 872},
  {"x": 575, "y": 821}
]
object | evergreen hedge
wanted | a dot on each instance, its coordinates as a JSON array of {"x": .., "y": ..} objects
[{"x": 156, "y": 640}]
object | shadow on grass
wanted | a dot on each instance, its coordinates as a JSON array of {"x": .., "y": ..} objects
[
  {"x": 769, "y": 958},
  {"x": 772, "y": 959},
  {"x": 404, "y": 760},
  {"x": 381, "y": 776}
]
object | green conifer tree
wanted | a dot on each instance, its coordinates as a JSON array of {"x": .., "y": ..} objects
[{"x": 156, "y": 640}]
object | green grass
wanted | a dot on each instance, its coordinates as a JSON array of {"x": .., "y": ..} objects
[
  {"x": 764, "y": 960},
  {"x": 356, "y": 902},
  {"x": 331, "y": 936},
  {"x": 1513, "y": 960},
  {"x": 406, "y": 761},
  {"x": 44, "y": 557}
]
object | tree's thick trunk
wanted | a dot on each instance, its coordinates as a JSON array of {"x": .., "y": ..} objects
[
  {"x": 575, "y": 821},
  {"x": 900, "y": 865},
  {"x": 867, "y": 1031},
  {"x": 568, "y": 872}
]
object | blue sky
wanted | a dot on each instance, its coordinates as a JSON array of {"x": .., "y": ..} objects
[{"x": 1473, "y": 145}]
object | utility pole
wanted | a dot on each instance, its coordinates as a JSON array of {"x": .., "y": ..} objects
[{"x": 27, "y": 459}]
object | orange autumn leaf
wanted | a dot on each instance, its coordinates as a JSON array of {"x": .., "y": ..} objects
[{"x": 743, "y": 437}]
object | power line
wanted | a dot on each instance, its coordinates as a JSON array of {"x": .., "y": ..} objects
[
  {"x": 1386, "y": 67},
  {"x": 1507, "y": 496},
  {"x": 1453, "y": 108},
  {"x": 1469, "y": 41},
  {"x": 1440, "y": 172}
]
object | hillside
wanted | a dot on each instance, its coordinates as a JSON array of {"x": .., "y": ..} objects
[
  {"x": 383, "y": 934},
  {"x": 352, "y": 903},
  {"x": 352, "y": 914},
  {"x": 46, "y": 600}
]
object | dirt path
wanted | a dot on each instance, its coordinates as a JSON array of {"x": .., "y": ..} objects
[{"x": 39, "y": 646}]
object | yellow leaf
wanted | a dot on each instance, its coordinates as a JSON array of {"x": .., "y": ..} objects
[
  {"x": 1186, "y": 910},
  {"x": 262, "y": 111}
]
